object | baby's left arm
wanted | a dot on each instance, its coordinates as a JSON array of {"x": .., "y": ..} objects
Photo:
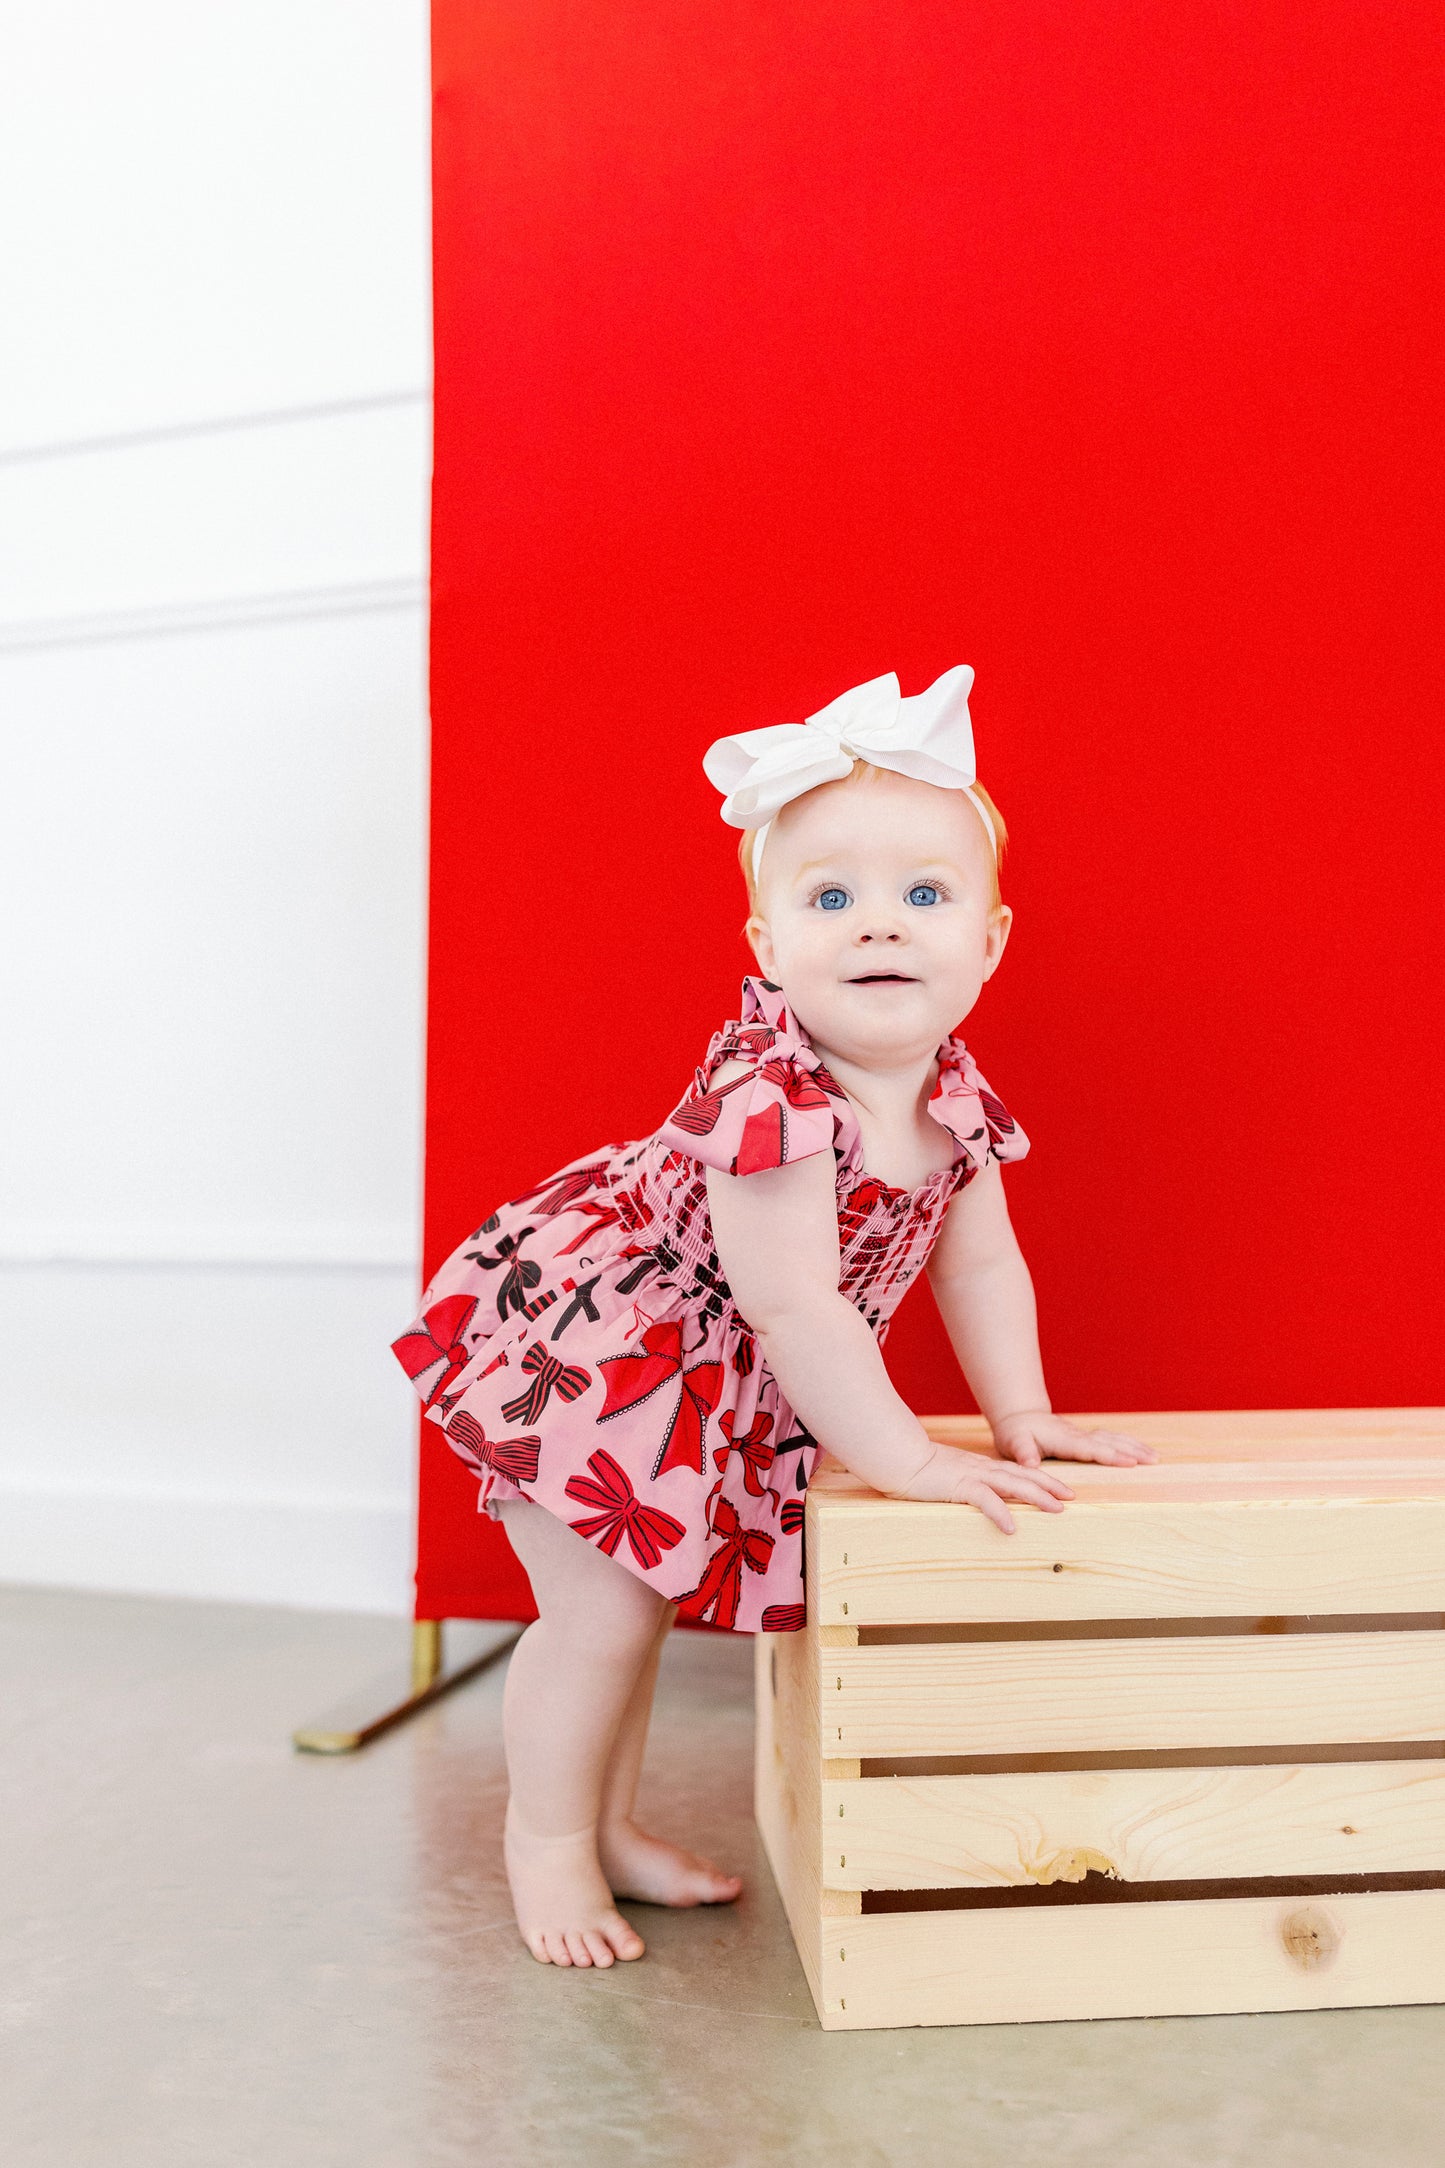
[{"x": 986, "y": 1297}]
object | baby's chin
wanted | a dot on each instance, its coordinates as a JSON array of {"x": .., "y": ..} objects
[
  {"x": 874, "y": 1012},
  {"x": 882, "y": 1013}
]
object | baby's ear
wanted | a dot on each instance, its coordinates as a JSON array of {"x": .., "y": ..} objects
[
  {"x": 996, "y": 938},
  {"x": 760, "y": 941}
]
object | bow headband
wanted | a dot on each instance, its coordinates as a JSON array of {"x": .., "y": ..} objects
[{"x": 928, "y": 736}]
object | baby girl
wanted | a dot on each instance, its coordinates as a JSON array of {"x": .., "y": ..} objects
[{"x": 643, "y": 1356}]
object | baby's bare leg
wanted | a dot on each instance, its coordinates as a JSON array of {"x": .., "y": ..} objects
[
  {"x": 635, "y": 1863},
  {"x": 569, "y": 1686}
]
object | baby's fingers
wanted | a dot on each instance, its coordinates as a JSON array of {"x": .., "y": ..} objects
[
  {"x": 1118, "y": 1446},
  {"x": 1025, "y": 1482},
  {"x": 1114, "y": 1447},
  {"x": 988, "y": 1503},
  {"x": 1044, "y": 1490},
  {"x": 987, "y": 1493}
]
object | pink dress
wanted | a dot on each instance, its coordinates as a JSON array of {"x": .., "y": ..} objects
[{"x": 582, "y": 1346}]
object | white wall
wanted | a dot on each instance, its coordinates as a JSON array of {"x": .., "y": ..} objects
[{"x": 214, "y": 453}]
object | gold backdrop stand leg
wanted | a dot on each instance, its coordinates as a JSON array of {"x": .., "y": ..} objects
[{"x": 357, "y": 1721}]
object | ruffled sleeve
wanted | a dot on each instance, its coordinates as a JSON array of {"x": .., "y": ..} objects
[
  {"x": 964, "y": 1102},
  {"x": 777, "y": 1109}
]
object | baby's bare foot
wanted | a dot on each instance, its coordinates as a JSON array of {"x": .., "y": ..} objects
[
  {"x": 644, "y": 1867},
  {"x": 563, "y": 1904}
]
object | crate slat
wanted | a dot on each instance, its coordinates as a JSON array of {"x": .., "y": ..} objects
[
  {"x": 1172, "y": 1959},
  {"x": 1233, "y": 1624},
  {"x": 1251, "y": 1436},
  {"x": 1150, "y": 1554},
  {"x": 787, "y": 1777},
  {"x": 1143, "y": 1825},
  {"x": 1004, "y": 1697}
]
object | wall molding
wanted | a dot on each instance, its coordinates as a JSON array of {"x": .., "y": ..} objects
[
  {"x": 314, "y": 1553},
  {"x": 124, "y": 440},
  {"x": 347, "y": 598},
  {"x": 170, "y": 1249}
]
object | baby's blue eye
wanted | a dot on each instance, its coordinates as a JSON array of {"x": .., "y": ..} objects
[
  {"x": 923, "y": 892},
  {"x": 832, "y": 899}
]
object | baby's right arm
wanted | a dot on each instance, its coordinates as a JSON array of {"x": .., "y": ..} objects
[{"x": 776, "y": 1233}]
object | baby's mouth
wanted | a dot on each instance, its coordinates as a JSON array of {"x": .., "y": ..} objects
[{"x": 883, "y": 978}]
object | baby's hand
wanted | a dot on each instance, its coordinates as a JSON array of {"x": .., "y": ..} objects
[
  {"x": 953, "y": 1477},
  {"x": 1032, "y": 1437}
]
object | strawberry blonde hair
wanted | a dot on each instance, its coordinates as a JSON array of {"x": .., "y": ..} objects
[{"x": 862, "y": 771}]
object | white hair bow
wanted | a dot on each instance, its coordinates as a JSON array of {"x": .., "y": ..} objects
[{"x": 928, "y": 736}]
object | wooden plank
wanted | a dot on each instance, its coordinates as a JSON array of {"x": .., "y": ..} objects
[
  {"x": 1213, "y": 1482},
  {"x": 1002, "y": 1697},
  {"x": 1209, "y": 1481},
  {"x": 888, "y": 1562},
  {"x": 1143, "y": 1825},
  {"x": 1193, "y": 1958},
  {"x": 786, "y": 1794},
  {"x": 787, "y": 1775},
  {"x": 1248, "y": 1434}
]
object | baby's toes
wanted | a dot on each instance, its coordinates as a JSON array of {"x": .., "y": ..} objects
[
  {"x": 709, "y": 1885},
  {"x": 599, "y": 1949},
  {"x": 577, "y": 1948},
  {"x": 624, "y": 1938}
]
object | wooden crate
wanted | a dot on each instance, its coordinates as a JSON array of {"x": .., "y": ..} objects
[{"x": 1177, "y": 1749}]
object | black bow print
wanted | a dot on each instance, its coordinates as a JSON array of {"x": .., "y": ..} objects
[
  {"x": 548, "y": 1375},
  {"x": 521, "y": 1272}
]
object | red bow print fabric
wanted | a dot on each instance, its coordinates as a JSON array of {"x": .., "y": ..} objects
[
  {"x": 581, "y": 1348},
  {"x": 720, "y": 1590},
  {"x": 619, "y": 1514},
  {"x": 631, "y": 1379},
  {"x": 778, "y": 1111},
  {"x": 515, "y": 1458},
  {"x": 437, "y": 1340}
]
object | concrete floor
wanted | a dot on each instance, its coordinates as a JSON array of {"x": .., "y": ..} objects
[{"x": 217, "y": 1951}]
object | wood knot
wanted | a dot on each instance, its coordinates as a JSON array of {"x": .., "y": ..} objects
[
  {"x": 1312, "y": 1937},
  {"x": 1073, "y": 1865}
]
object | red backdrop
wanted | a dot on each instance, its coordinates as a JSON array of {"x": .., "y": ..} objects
[{"x": 1098, "y": 346}]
